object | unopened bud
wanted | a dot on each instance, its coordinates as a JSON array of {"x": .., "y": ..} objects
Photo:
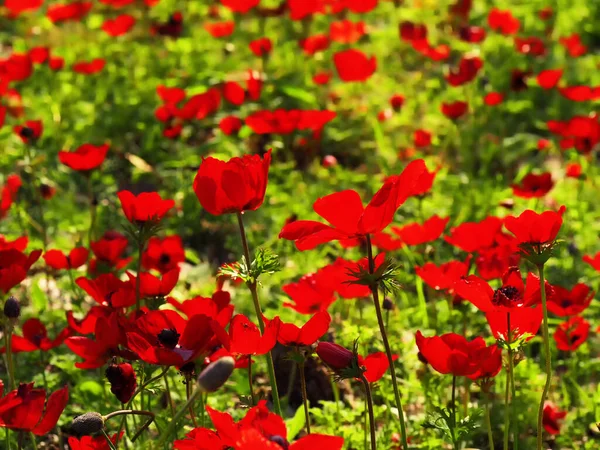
[
  {"x": 12, "y": 308},
  {"x": 388, "y": 305},
  {"x": 334, "y": 355},
  {"x": 216, "y": 374},
  {"x": 88, "y": 424}
]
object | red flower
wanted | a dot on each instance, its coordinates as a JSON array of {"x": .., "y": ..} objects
[
  {"x": 299, "y": 9},
  {"x": 218, "y": 306},
  {"x": 530, "y": 46},
  {"x": 35, "y": 337},
  {"x": 240, "y": 6},
  {"x": 92, "y": 443},
  {"x": 410, "y": 31},
  {"x": 361, "y": 6},
  {"x": 261, "y": 47},
  {"x": 454, "y": 110},
  {"x": 339, "y": 276},
  {"x": 573, "y": 45},
  {"x": 334, "y": 355},
  {"x": 173, "y": 27},
  {"x": 56, "y": 63},
  {"x": 552, "y": 418},
  {"x": 548, "y": 79},
  {"x": 283, "y": 121},
  {"x": 493, "y": 98},
  {"x": 244, "y": 337},
  {"x": 14, "y": 266},
  {"x": 17, "y": 7},
  {"x": 233, "y": 186},
  {"x": 376, "y": 365},
  {"x": 523, "y": 321},
  {"x": 571, "y": 334},
  {"x": 306, "y": 335},
  {"x": 467, "y": 70},
  {"x": 59, "y": 261},
  {"x": 109, "y": 249},
  {"x": 444, "y": 276},
  {"x": 30, "y": 132},
  {"x": 472, "y": 34},
  {"x": 147, "y": 206},
  {"x": 579, "y": 93},
  {"x": 488, "y": 361},
  {"x": 314, "y": 44},
  {"x": 170, "y": 95},
  {"x": 86, "y": 157},
  {"x": 163, "y": 254},
  {"x": 8, "y": 194},
  {"x": 347, "y": 215},
  {"x": 89, "y": 68},
  {"x": 123, "y": 381},
  {"x": 19, "y": 244},
  {"x": 473, "y": 236},
  {"x": 438, "y": 53},
  {"x": 23, "y": 409},
  {"x": 17, "y": 67},
  {"x": 118, "y": 26},
  {"x": 565, "y": 302},
  {"x": 533, "y": 228},
  {"x": 353, "y": 65},
  {"x": 533, "y": 186},
  {"x": 74, "y": 11},
  {"x": 39, "y": 55},
  {"x": 108, "y": 290},
  {"x": 310, "y": 294},
  {"x": 233, "y": 93},
  {"x": 450, "y": 353},
  {"x": 396, "y": 102},
  {"x": 593, "y": 261},
  {"x": 230, "y": 125},
  {"x": 503, "y": 21},
  {"x": 416, "y": 234},
  {"x": 346, "y": 31},
  {"x": 254, "y": 83},
  {"x": 151, "y": 286},
  {"x": 518, "y": 80},
  {"x": 574, "y": 170},
  {"x": 220, "y": 29},
  {"x": 422, "y": 138}
]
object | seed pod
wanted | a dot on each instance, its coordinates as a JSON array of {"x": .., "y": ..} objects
[
  {"x": 216, "y": 374},
  {"x": 12, "y": 308},
  {"x": 88, "y": 424}
]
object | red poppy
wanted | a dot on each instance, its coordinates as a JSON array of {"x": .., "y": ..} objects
[
  {"x": 73, "y": 11},
  {"x": 454, "y": 110},
  {"x": 56, "y": 63},
  {"x": 533, "y": 185},
  {"x": 467, "y": 70},
  {"x": 59, "y": 261},
  {"x": 548, "y": 79},
  {"x": 108, "y": 290},
  {"x": 523, "y": 322},
  {"x": 450, "y": 353},
  {"x": 488, "y": 361},
  {"x": 91, "y": 67},
  {"x": 546, "y": 13},
  {"x": 552, "y": 418},
  {"x": 233, "y": 93},
  {"x": 314, "y": 44},
  {"x": 240, "y": 6},
  {"x": 573, "y": 45},
  {"x": 39, "y": 55},
  {"x": 503, "y": 21},
  {"x": 353, "y": 65},
  {"x": 261, "y": 47},
  {"x": 494, "y": 261},
  {"x": 530, "y": 46},
  {"x": 23, "y": 409},
  {"x": 109, "y": 249},
  {"x": 16, "y": 67},
  {"x": 217, "y": 306},
  {"x": 361, "y": 6},
  {"x": 173, "y": 27},
  {"x": 593, "y": 261},
  {"x": 170, "y": 95},
  {"x": 35, "y": 337},
  {"x": 233, "y": 186},
  {"x": 513, "y": 294},
  {"x": 473, "y": 236},
  {"x": 299, "y": 9},
  {"x": 86, "y": 157},
  {"x": 87, "y": 324},
  {"x": 220, "y": 29},
  {"x": 200, "y": 106},
  {"x": 306, "y": 335},
  {"x": 123, "y": 381},
  {"x": 310, "y": 294},
  {"x": 151, "y": 286},
  {"x": 244, "y": 337},
  {"x": 230, "y": 125},
  {"x": 422, "y": 138},
  {"x": 18, "y": 7},
  {"x": 165, "y": 338},
  {"x": 438, "y": 53},
  {"x": 574, "y": 170},
  {"x": 92, "y": 443},
  {"x": 396, "y": 102},
  {"x": 444, "y": 276},
  {"x": 346, "y": 31},
  {"x": 579, "y": 132},
  {"x": 493, "y": 98},
  {"x": 579, "y": 93},
  {"x": 283, "y": 121},
  {"x": 472, "y": 34},
  {"x": 147, "y": 206},
  {"x": 410, "y": 31},
  {"x": 30, "y": 132},
  {"x": 417, "y": 234},
  {"x": 254, "y": 83},
  {"x": 119, "y": 25},
  {"x": 347, "y": 215},
  {"x": 565, "y": 302},
  {"x": 533, "y": 228},
  {"x": 14, "y": 266},
  {"x": 340, "y": 278},
  {"x": 376, "y": 365},
  {"x": 571, "y": 334},
  {"x": 163, "y": 254},
  {"x": 18, "y": 244}
]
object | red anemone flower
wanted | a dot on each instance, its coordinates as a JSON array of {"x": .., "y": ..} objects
[
  {"x": 119, "y": 25},
  {"x": 18, "y": 244},
  {"x": 416, "y": 234},
  {"x": 422, "y": 138},
  {"x": 450, "y": 353},
  {"x": 533, "y": 186},
  {"x": 354, "y": 65},
  {"x": 220, "y": 29},
  {"x": 172, "y": 28},
  {"x": 306, "y": 335},
  {"x": 454, "y": 110},
  {"x": 89, "y": 68},
  {"x": 233, "y": 93},
  {"x": 240, "y": 6},
  {"x": 376, "y": 365},
  {"x": 533, "y": 228},
  {"x": 410, "y": 31},
  {"x": 503, "y": 21},
  {"x": 18, "y": 7},
  {"x": 548, "y": 79},
  {"x": 230, "y": 125},
  {"x": 59, "y": 261},
  {"x": 261, "y": 47},
  {"x": 214, "y": 306},
  {"x": 467, "y": 70},
  {"x": 109, "y": 249},
  {"x": 30, "y": 132},
  {"x": 23, "y": 409},
  {"x": 552, "y": 418},
  {"x": 488, "y": 361},
  {"x": 73, "y": 11},
  {"x": 92, "y": 443},
  {"x": 573, "y": 45},
  {"x": 86, "y": 157},
  {"x": 244, "y": 337},
  {"x": 14, "y": 266},
  {"x": 123, "y": 381},
  {"x": 593, "y": 261},
  {"x": 163, "y": 254},
  {"x": 35, "y": 337},
  {"x": 523, "y": 321},
  {"x": 474, "y": 236},
  {"x": 493, "y": 98},
  {"x": 444, "y": 276},
  {"x": 107, "y": 289},
  {"x": 571, "y": 334},
  {"x": 151, "y": 286},
  {"x": 346, "y": 32},
  {"x": 565, "y": 302},
  {"x": 232, "y": 186},
  {"x": 310, "y": 294},
  {"x": 147, "y": 206},
  {"x": 314, "y": 44},
  {"x": 347, "y": 215}
]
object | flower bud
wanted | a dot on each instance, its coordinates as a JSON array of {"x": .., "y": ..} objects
[
  {"x": 12, "y": 308},
  {"x": 88, "y": 424},
  {"x": 122, "y": 381},
  {"x": 335, "y": 356},
  {"x": 387, "y": 304},
  {"x": 216, "y": 374}
]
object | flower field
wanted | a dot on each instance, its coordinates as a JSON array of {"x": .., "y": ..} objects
[{"x": 299, "y": 224}]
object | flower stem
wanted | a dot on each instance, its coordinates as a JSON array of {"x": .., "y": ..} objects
[
  {"x": 304, "y": 395},
  {"x": 188, "y": 392},
  {"x": 371, "y": 414},
  {"x": 488, "y": 422},
  {"x": 454, "y": 441},
  {"x": 180, "y": 413},
  {"x": 168, "y": 389},
  {"x": 513, "y": 392},
  {"x": 8, "y": 447},
  {"x": 507, "y": 399},
  {"x": 135, "y": 412},
  {"x": 540, "y": 428},
  {"x": 108, "y": 441},
  {"x": 386, "y": 344},
  {"x": 250, "y": 380},
  {"x": 10, "y": 367},
  {"x": 253, "y": 290}
]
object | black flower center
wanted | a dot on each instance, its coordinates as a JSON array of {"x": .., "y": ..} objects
[
  {"x": 506, "y": 296},
  {"x": 168, "y": 338},
  {"x": 164, "y": 259},
  {"x": 566, "y": 302},
  {"x": 280, "y": 440},
  {"x": 27, "y": 133}
]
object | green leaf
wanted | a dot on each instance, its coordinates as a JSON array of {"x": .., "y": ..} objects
[
  {"x": 299, "y": 94},
  {"x": 38, "y": 298},
  {"x": 296, "y": 423},
  {"x": 91, "y": 387}
]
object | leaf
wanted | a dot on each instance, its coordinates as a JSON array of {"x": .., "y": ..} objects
[
  {"x": 91, "y": 387},
  {"x": 38, "y": 298},
  {"x": 296, "y": 423},
  {"x": 299, "y": 94}
]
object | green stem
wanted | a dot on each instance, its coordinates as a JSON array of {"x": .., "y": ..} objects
[
  {"x": 540, "y": 428},
  {"x": 370, "y": 409},
  {"x": 169, "y": 399},
  {"x": 134, "y": 412},
  {"x": 454, "y": 441},
  {"x": 108, "y": 441},
  {"x": 188, "y": 391},
  {"x": 250, "y": 380},
  {"x": 304, "y": 395},
  {"x": 203, "y": 409},
  {"x": 9, "y": 357},
  {"x": 506, "y": 409},
  {"x": 33, "y": 440},
  {"x": 180, "y": 413},
  {"x": 8, "y": 447},
  {"x": 513, "y": 395},
  {"x": 386, "y": 344},
  {"x": 488, "y": 422},
  {"x": 253, "y": 290}
]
